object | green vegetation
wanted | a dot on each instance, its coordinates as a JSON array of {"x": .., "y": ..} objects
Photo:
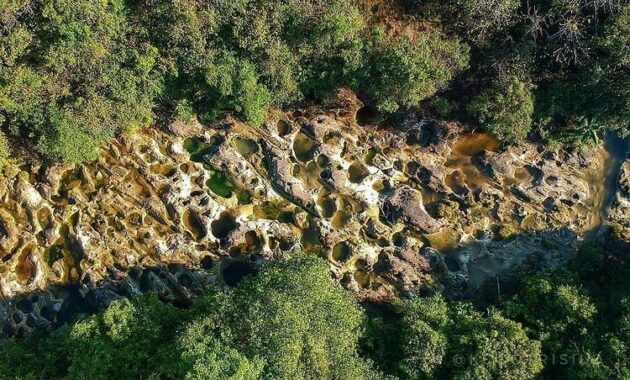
[
  {"x": 405, "y": 72},
  {"x": 4, "y": 151},
  {"x": 440, "y": 340},
  {"x": 505, "y": 110},
  {"x": 290, "y": 321},
  {"x": 75, "y": 73},
  {"x": 70, "y": 80}
]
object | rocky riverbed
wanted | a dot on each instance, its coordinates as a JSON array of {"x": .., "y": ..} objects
[{"x": 404, "y": 204}]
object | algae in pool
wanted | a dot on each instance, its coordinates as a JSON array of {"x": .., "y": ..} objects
[
  {"x": 274, "y": 211},
  {"x": 219, "y": 184},
  {"x": 245, "y": 146},
  {"x": 199, "y": 149},
  {"x": 304, "y": 147}
]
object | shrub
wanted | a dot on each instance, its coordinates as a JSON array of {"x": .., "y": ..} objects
[
  {"x": 505, "y": 110},
  {"x": 4, "y": 151},
  {"x": 203, "y": 356},
  {"x": 556, "y": 308},
  {"x": 75, "y": 76},
  {"x": 424, "y": 341},
  {"x": 302, "y": 324},
  {"x": 184, "y": 111},
  {"x": 405, "y": 72}
]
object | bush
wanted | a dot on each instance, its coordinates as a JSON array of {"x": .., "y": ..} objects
[
  {"x": 74, "y": 75},
  {"x": 4, "y": 151},
  {"x": 576, "y": 108},
  {"x": 405, "y": 72},
  {"x": 424, "y": 342},
  {"x": 203, "y": 356},
  {"x": 505, "y": 110},
  {"x": 184, "y": 111}
]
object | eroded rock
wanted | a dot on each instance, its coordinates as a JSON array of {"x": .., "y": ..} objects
[{"x": 381, "y": 199}]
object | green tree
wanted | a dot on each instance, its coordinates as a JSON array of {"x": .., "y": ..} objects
[
  {"x": 454, "y": 340},
  {"x": 491, "y": 346},
  {"x": 424, "y": 341},
  {"x": 204, "y": 356},
  {"x": 505, "y": 110},
  {"x": 561, "y": 315},
  {"x": 71, "y": 74},
  {"x": 405, "y": 72},
  {"x": 302, "y": 324}
]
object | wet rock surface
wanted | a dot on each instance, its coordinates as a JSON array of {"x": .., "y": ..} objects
[
  {"x": 620, "y": 208},
  {"x": 386, "y": 202}
]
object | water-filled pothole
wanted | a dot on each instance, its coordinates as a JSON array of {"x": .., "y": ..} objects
[
  {"x": 341, "y": 252},
  {"x": 304, "y": 147},
  {"x": 456, "y": 182},
  {"x": 284, "y": 128},
  {"x": 382, "y": 185},
  {"x": 466, "y": 172},
  {"x": 451, "y": 264},
  {"x": 220, "y": 184},
  {"x": 370, "y": 155},
  {"x": 199, "y": 149},
  {"x": 223, "y": 226},
  {"x": 25, "y": 270},
  {"x": 245, "y": 146},
  {"x": 357, "y": 172},
  {"x": 328, "y": 206},
  {"x": 193, "y": 223},
  {"x": 362, "y": 278},
  {"x": 282, "y": 212},
  {"x": 341, "y": 219}
]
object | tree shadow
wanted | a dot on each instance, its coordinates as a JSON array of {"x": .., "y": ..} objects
[{"x": 176, "y": 284}]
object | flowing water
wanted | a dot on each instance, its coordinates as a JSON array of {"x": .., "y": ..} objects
[{"x": 604, "y": 186}]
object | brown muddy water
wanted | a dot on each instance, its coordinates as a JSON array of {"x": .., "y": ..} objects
[
  {"x": 604, "y": 186},
  {"x": 466, "y": 174}
]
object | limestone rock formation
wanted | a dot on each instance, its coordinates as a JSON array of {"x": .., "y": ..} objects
[{"x": 382, "y": 201}]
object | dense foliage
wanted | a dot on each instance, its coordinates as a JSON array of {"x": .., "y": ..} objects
[
  {"x": 505, "y": 110},
  {"x": 580, "y": 315},
  {"x": 429, "y": 338},
  {"x": 290, "y": 321},
  {"x": 75, "y": 73}
]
